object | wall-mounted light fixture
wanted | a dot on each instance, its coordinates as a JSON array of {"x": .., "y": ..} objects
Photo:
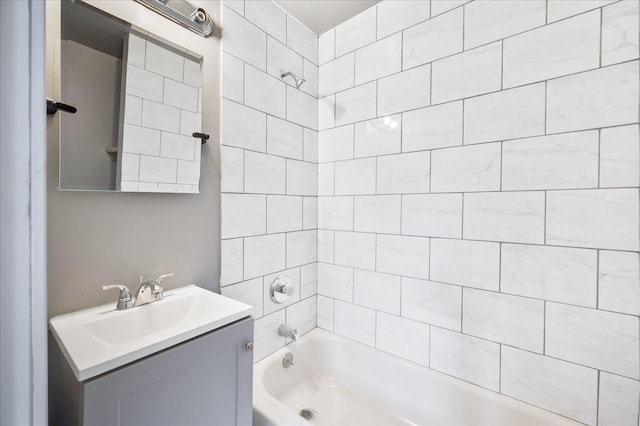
[{"x": 181, "y": 12}]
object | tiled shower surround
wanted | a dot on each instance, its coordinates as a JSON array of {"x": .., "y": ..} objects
[
  {"x": 477, "y": 189},
  {"x": 269, "y": 166}
]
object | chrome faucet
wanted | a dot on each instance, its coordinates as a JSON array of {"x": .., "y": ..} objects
[
  {"x": 286, "y": 331},
  {"x": 149, "y": 291}
]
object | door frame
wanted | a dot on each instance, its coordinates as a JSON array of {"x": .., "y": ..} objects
[{"x": 23, "y": 298}]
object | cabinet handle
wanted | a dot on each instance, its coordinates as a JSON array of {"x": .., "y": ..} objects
[{"x": 248, "y": 347}]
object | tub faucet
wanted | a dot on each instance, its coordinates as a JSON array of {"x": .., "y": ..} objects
[
  {"x": 286, "y": 331},
  {"x": 150, "y": 290}
]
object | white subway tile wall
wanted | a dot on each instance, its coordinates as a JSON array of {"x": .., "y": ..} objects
[
  {"x": 269, "y": 167},
  {"x": 477, "y": 194},
  {"x": 510, "y": 245}
]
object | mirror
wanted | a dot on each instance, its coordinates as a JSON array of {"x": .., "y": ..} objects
[{"x": 139, "y": 102}]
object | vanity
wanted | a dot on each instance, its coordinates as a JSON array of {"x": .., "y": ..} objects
[
  {"x": 127, "y": 92},
  {"x": 184, "y": 360}
]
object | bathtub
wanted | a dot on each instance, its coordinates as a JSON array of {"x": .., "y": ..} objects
[{"x": 342, "y": 382}]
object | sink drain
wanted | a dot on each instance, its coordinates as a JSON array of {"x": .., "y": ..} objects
[{"x": 306, "y": 414}]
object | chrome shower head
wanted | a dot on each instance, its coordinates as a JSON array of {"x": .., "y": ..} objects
[{"x": 298, "y": 80}]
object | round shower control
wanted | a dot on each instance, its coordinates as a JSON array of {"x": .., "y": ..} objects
[{"x": 281, "y": 289}]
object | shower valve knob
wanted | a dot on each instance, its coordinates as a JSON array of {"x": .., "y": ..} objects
[{"x": 281, "y": 289}]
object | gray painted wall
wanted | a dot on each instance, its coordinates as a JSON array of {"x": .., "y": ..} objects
[
  {"x": 89, "y": 75},
  {"x": 104, "y": 238}
]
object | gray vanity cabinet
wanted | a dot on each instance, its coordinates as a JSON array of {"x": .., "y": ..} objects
[{"x": 204, "y": 381}]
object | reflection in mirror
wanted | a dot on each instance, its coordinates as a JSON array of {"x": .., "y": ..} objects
[
  {"x": 161, "y": 113},
  {"x": 139, "y": 102}
]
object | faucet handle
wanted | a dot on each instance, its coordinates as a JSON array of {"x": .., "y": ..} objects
[
  {"x": 158, "y": 291},
  {"x": 124, "y": 291},
  {"x": 281, "y": 289},
  {"x": 163, "y": 276},
  {"x": 124, "y": 299}
]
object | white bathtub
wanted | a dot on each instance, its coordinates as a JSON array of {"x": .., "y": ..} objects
[{"x": 346, "y": 383}]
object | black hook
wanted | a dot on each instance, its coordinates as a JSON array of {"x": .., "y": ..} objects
[
  {"x": 204, "y": 137},
  {"x": 53, "y": 107}
]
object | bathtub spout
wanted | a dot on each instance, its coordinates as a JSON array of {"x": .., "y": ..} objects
[{"x": 286, "y": 331}]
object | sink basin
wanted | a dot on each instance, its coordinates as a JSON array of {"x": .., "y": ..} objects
[{"x": 99, "y": 339}]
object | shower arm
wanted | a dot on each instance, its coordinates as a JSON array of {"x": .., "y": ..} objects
[{"x": 298, "y": 80}]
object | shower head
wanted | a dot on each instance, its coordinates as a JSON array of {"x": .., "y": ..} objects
[{"x": 298, "y": 80}]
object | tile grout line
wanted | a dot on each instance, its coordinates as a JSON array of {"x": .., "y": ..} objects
[
  {"x": 500, "y": 267},
  {"x": 333, "y": 243},
  {"x": 402, "y": 122},
  {"x": 376, "y": 24},
  {"x": 401, "y": 50},
  {"x": 598, "y": 279},
  {"x": 544, "y": 327},
  {"x": 500, "y": 368},
  {"x": 430, "y": 85},
  {"x": 464, "y": 14},
  {"x": 501, "y": 165},
  {"x": 244, "y": 169},
  {"x": 333, "y": 309},
  {"x": 429, "y": 328},
  {"x": 462, "y": 218},
  {"x": 599, "y": 378},
  {"x": 502, "y": 65},
  {"x": 546, "y": 106},
  {"x": 462, "y": 309},
  {"x": 546, "y": 12},
  {"x": 493, "y": 191},
  {"x": 353, "y": 287},
  {"x": 600, "y": 28},
  {"x": 244, "y": 84},
  {"x": 599, "y": 157},
  {"x": 334, "y": 180},
  {"x": 462, "y": 124},
  {"x": 430, "y": 261},
  {"x": 544, "y": 225},
  {"x": 334, "y": 46},
  {"x": 375, "y": 263},
  {"x": 401, "y": 292},
  {"x": 375, "y": 184},
  {"x": 375, "y": 327}
]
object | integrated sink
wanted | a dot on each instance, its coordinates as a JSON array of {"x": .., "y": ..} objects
[{"x": 99, "y": 339}]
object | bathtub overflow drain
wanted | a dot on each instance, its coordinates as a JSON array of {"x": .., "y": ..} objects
[{"x": 306, "y": 414}]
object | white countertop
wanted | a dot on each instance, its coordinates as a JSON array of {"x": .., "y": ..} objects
[{"x": 100, "y": 339}]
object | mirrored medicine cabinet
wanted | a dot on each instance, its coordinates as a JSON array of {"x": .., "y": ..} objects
[{"x": 138, "y": 101}]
